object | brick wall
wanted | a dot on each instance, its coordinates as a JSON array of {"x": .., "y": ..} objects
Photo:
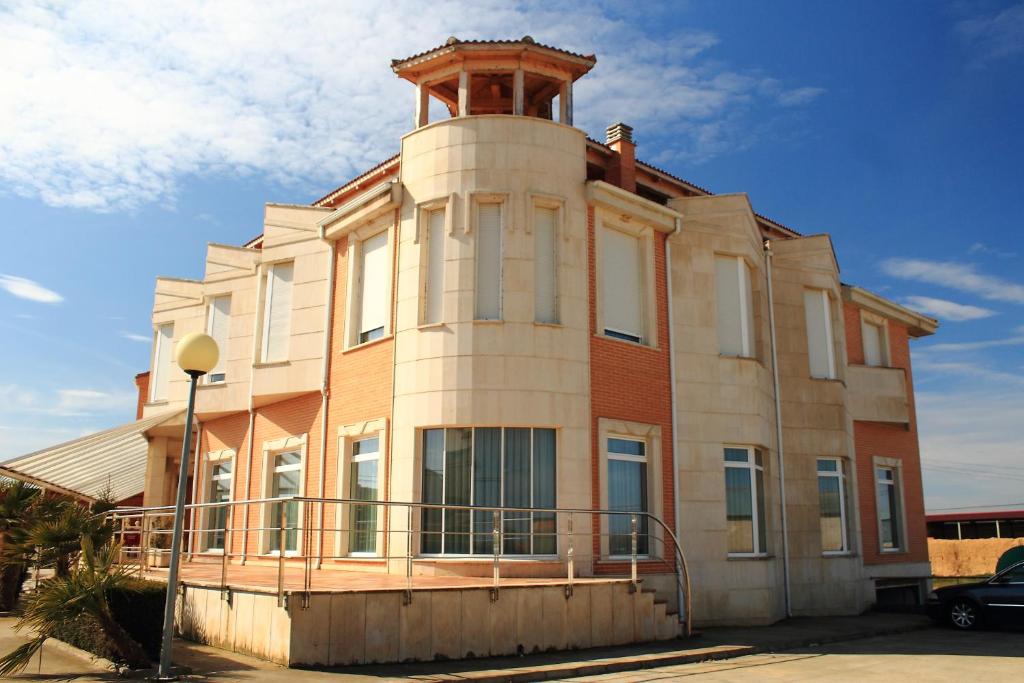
[
  {"x": 142, "y": 384},
  {"x": 631, "y": 382},
  {"x": 231, "y": 432}
]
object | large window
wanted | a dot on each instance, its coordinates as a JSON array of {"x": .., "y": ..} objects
[
  {"x": 545, "y": 261},
  {"x": 433, "y": 294},
  {"x": 820, "y": 349},
  {"x": 889, "y": 509},
  {"x": 744, "y": 501},
  {"x": 218, "y": 323},
  {"x": 733, "y": 299},
  {"x": 218, "y": 490},
  {"x": 164, "y": 342},
  {"x": 622, "y": 285},
  {"x": 489, "y": 466},
  {"x": 873, "y": 337},
  {"x": 627, "y": 490},
  {"x": 488, "y": 260},
  {"x": 285, "y": 482},
  {"x": 363, "y": 483},
  {"x": 277, "y": 312},
  {"x": 374, "y": 274},
  {"x": 832, "y": 505}
]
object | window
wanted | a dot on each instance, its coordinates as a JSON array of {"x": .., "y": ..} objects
[
  {"x": 889, "y": 512},
  {"x": 734, "y": 303},
  {"x": 622, "y": 285},
  {"x": 218, "y": 490},
  {"x": 832, "y": 505},
  {"x": 545, "y": 260},
  {"x": 373, "y": 287},
  {"x": 488, "y": 260},
  {"x": 162, "y": 361},
  {"x": 627, "y": 490},
  {"x": 873, "y": 336},
  {"x": 820, "y": 349},
  {"x": 277, "y": 312},
  {"x": 433, "y": 295},
  {"x": 489, "y": 466},
  {"x": 285, "y": 483},
  {"x": 218, "y": 323},
  {"x": 744, "y": 501},
  {"x": 363, "y": 485}
]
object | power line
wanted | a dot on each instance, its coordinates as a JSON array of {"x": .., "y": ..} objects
[{"x": 975, "y": 507}]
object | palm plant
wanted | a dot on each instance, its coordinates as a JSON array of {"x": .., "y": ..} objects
[
  {"x": 17, "y": 500},
  {"x": 83, "y": 592}
]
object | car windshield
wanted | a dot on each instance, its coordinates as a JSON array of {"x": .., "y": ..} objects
[{"x": 1014, "y": 574}]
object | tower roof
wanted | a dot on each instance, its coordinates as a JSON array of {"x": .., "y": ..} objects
[{"x": 525, "y": 48}]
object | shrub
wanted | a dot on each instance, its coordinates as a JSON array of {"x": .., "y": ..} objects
[{"x": 138, "y": 608}]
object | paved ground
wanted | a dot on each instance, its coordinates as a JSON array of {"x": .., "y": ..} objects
[{"x": 931, "y": 654}]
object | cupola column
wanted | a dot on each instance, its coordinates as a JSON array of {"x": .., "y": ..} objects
[
  {"x": 565, "y": 103},
  {"x": 518, "y": 92},
  {"x": 463, "y": 93},
  {"x": 422, "y": 105}
]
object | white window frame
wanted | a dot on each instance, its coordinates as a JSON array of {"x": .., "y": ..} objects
[
  {"x": 650, "y": 435},
  {"x": 222, "y": 348},
  {"x": 826, "y": 302},
  {"x": 896, "y": 488},
  {"x": 366, "y": 457},
  {"x": 214, "y": 458},
  {"x": 745, "y": 286},
  {"x": 353, "y": 303},
  {"x": 755, "y": 514},
  {"x": 626, "y": 457},
  {"x": 502, "y": 200},
  {"x": 161, "y": 369},
  {"x": 648, "y": 301},
  {"x": 347, "y": 436},
  {"x": 271, "y": 449},
  {"x": 867, "y": 319},
  {"x": 556, "y": 204},
  {"x": 268, "y": 291},
  {"x": 839, "y": 474},
  {"x": 430, "y": 281}
]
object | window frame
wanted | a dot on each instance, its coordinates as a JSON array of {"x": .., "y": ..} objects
[
  {"x": 210, "y": 461},
  {"x": 896, "y": 488},
  {"x": 844, "y": 517},
  {"x": 271, "y": 449},
  {"x": 644, "y": 234},
  {"x": 476, "y": 199},
  {"x": 348, "y": 435},
  {"x": 384, "y": 223},
  {"x": 758, "y": 508},
  {"x": 424, "y": 212},
  {"x": 557, "y": 205},
  {"x": 643, "y": 521},
  {"x": 222, "y": 348},
  {"x": 748, "y": 322},
  {"x": 161, "y": 369},
  {"x": 867, "y": 319},
  {"x": 268, "y": 291},
  {"x": 829, "y": 333}
]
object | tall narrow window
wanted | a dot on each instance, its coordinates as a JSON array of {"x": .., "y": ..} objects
[
  {"x": 488, "y": 261},
  {"x": 373, "y": 287},
  {"x": 545, "y": 259},
  {"x": 820, "y": 349},
  {"x": 218, "y": 322},
  {"x": 832, "y": 505},
  {"x": 873, "y": 337},
  {"x": 277, "y": 312},
  {"x": 622, "y": 285},
  {"x": 218, "y": 491},
  {"x": 363, "y": 485},
  {"x": 733, "y": 299},
  {"x": 433, "y": 295},
  {"x": 162, "y": 361},
  {"x": 627, "y": 491},
  {"x": 744, "y": 501},
  {"x": 489, "y": 467},
  {"x": 285, "y": 483},
  {"x": 888, "y": 506}
]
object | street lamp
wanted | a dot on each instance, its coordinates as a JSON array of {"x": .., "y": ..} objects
[{"x": 196, "y": 354}]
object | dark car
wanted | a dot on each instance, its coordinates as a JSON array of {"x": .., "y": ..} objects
[{"x": 999, "y": 600}]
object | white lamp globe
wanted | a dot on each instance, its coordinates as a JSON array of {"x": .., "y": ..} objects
[{"x": 196, "y": 353}]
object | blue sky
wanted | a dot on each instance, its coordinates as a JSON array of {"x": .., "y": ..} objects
[{"x": 130, "y": 136}]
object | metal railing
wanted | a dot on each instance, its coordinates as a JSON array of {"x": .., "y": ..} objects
[{"x": 294, "y": 532}]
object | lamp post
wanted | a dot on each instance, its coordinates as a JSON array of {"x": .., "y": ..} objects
[{"x": 196, "y": 354}]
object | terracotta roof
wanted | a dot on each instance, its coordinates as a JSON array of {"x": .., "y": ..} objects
[
  {"x": 334, "y": 193},
  {"x": 525, "y": 40}
]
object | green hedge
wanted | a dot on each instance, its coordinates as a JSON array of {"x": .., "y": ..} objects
[{"x": 139, "y": 608}]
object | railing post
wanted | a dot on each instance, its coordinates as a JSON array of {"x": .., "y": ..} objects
[
  {"x": 280, "y": 553},
  {"x": 408, "y": 556},
  {"x": 144, "y": 544},
  {"x": 632, "y": 552},
  {"x": 571, "y": 557},
  {"x": 307, "y": 551},
  {"x": 496, "y": 536},
  {"x": 224, "y": 554}
]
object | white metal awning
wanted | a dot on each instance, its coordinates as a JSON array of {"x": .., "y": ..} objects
[{"x": 86, "y": 467}]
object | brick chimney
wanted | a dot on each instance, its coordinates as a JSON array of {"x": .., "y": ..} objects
[
  {"x": 622, "y": 169},
  {"x": 142, "y": 383}
]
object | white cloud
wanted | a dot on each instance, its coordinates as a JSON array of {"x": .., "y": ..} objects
[
  {"x": 982, "y": 248},
  {"x": 91, "y": 401},
  {"x": 109, "y": 104},
  {"x": 947, "y": 310},
  {"x": 962, "y": 276},
  {"x": 924, "y": 363},
  {"x": 799, "y": 96},
  {"x": 1017, "y": 340},
  {"x": 996, "y": 35},
  {"x": 131, "y": 336},
  {"x": 23, "y": 288}
]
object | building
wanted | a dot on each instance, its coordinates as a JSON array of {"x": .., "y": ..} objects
[
  {"x": 976, "y": 523},
  {"x": 508, "y": 313}
]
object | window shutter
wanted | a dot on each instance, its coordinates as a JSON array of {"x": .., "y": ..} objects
[
  {"x": 162, "y": 361},
  {"x": 747, "y": 294},
  {"x": 545, "y": 305},
  {"x": 277, "y": 320},
  {"x": 434, "y": 296},
  {"x": 374, "y": 272},
  {"x": 872, "y": 335},
  {"x": 819, "y": 334},
  {"x": 622, "y": 283},
  {"x": 218, "y": 326},
  {"x": 488, "y": 262},
  {"x": 729, "y": 306}
]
